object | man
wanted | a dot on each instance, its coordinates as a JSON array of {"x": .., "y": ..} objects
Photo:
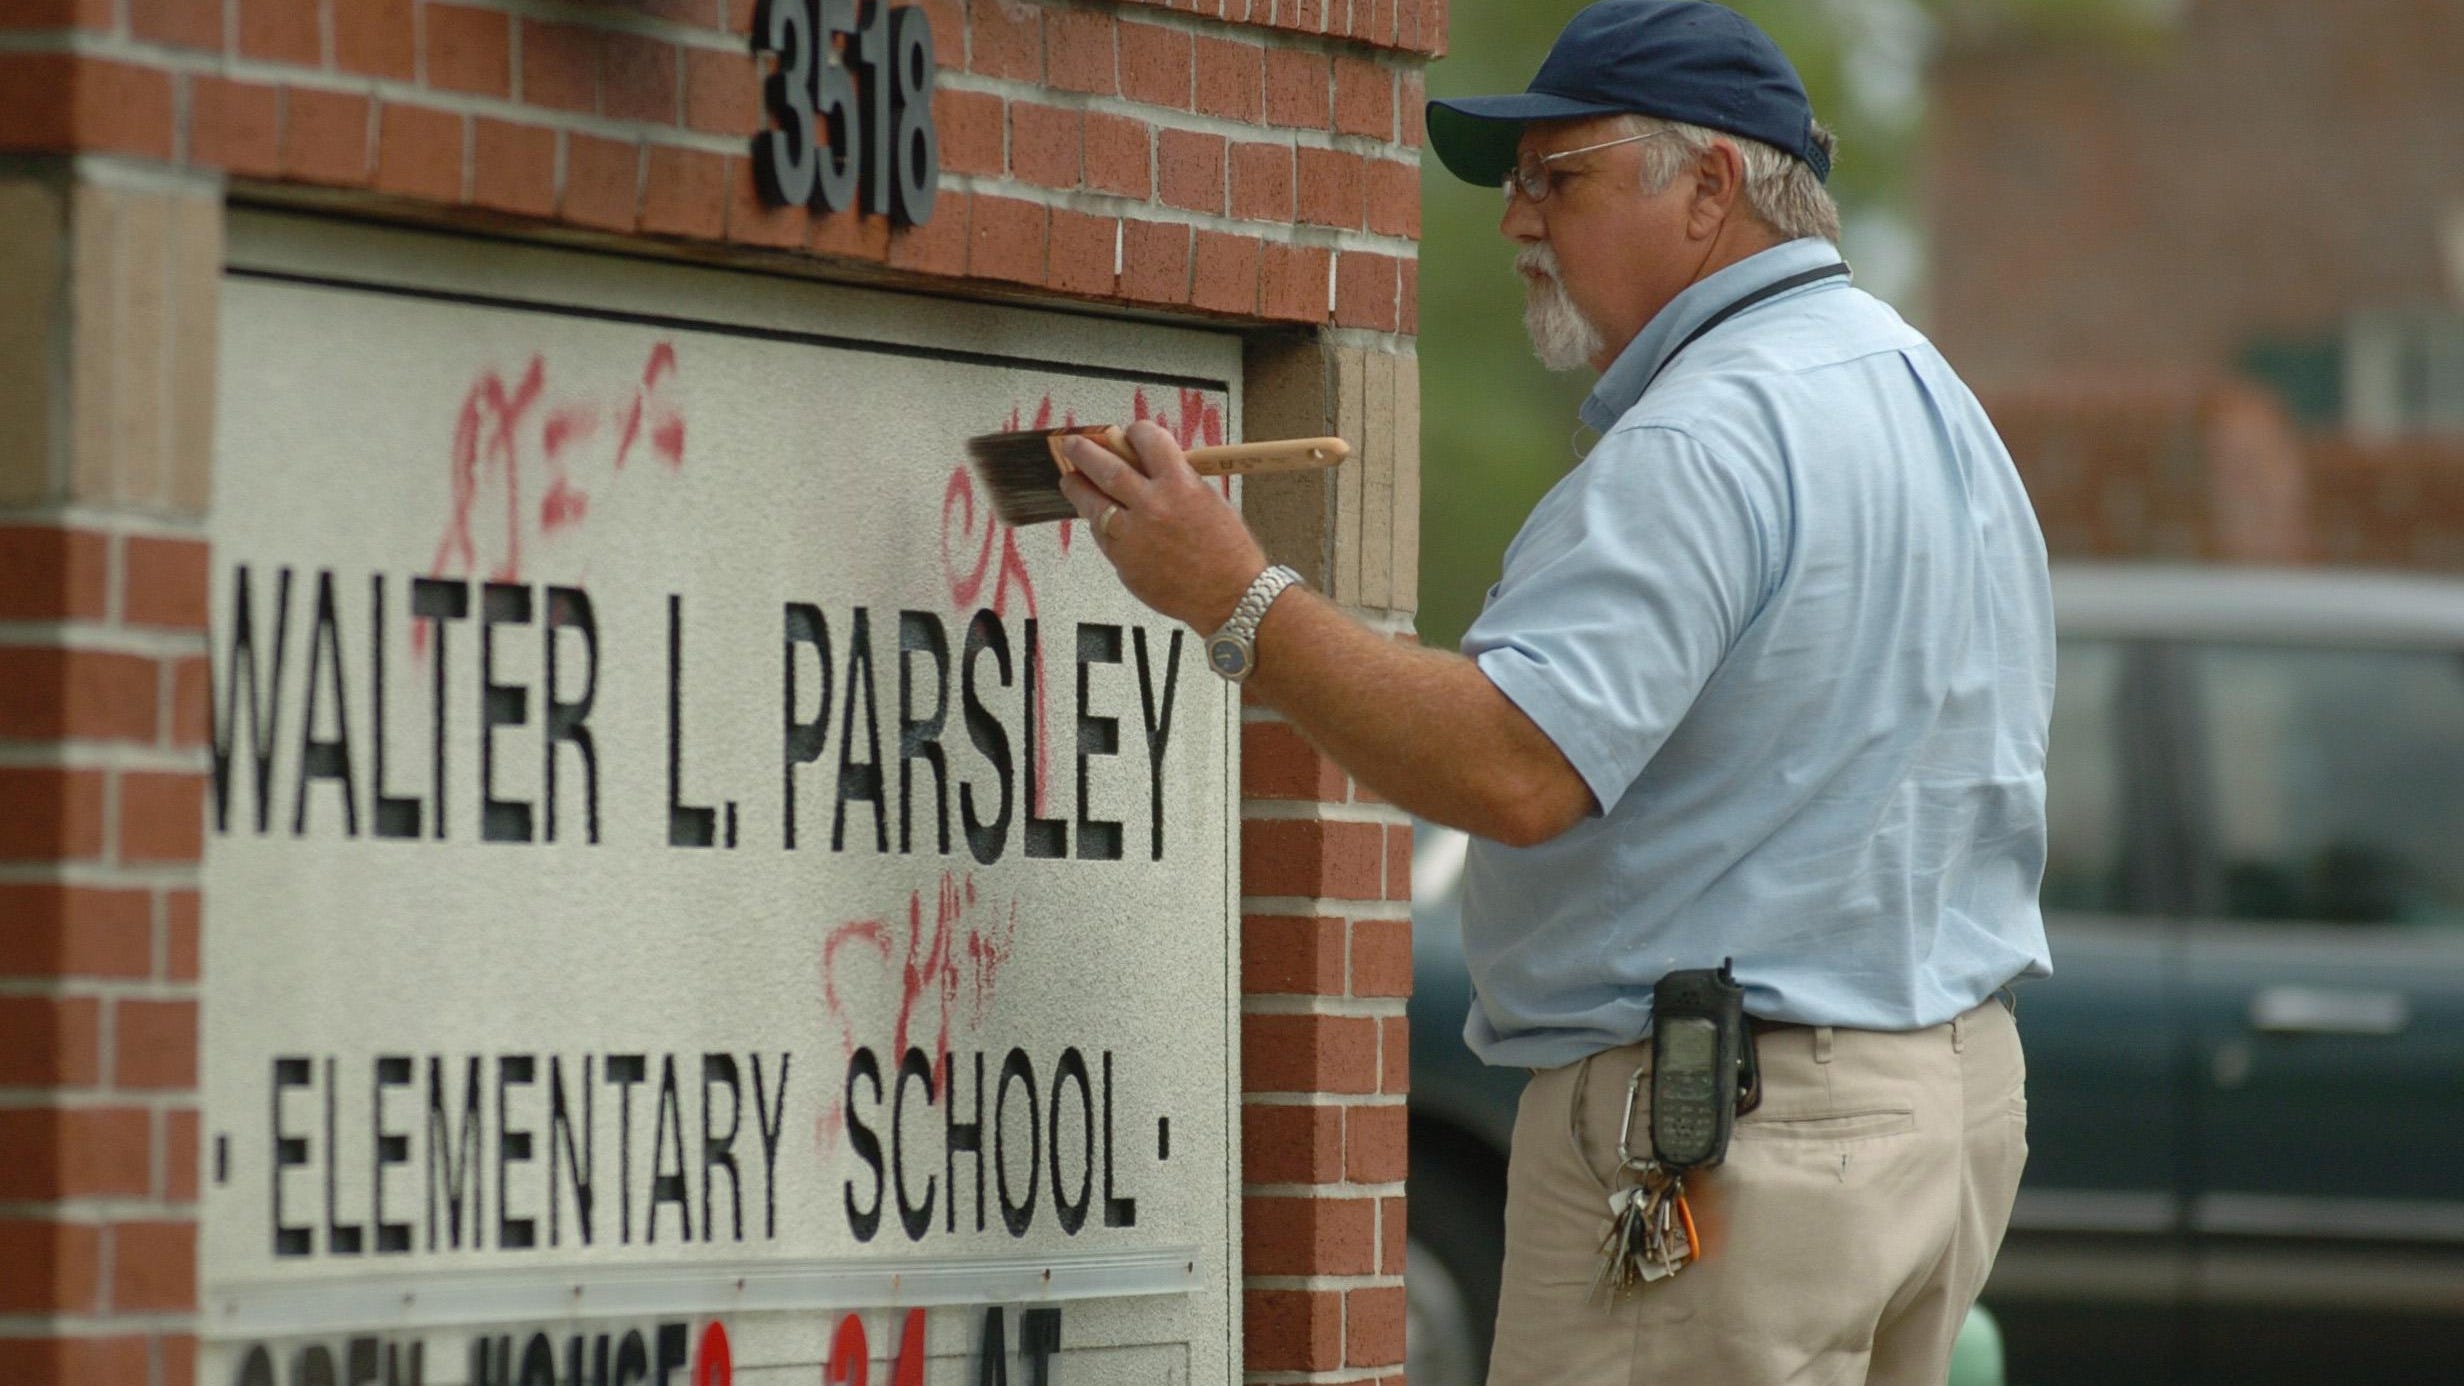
[{"x": 1766, "y": 677}]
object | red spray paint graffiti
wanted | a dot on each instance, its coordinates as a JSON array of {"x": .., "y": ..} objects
[
  {"x": 491, "y": 435},
  {"x": 1195, "y": 423},
  {"x": 946, "y": 972}
]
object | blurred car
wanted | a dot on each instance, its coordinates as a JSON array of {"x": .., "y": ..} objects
[{"x": 2246, "y": 1077}]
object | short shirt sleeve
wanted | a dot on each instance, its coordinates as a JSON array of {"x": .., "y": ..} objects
[{"x": 1623, "y": 593}]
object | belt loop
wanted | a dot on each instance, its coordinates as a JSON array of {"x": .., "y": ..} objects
[
  {"x": 1822, "y": 1044},
  {"x": 1959, "y": 1034}
]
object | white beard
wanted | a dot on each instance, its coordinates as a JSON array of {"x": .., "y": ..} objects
[{"x": 1560, "y": 335}]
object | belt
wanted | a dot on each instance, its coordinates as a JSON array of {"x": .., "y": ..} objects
[{"x": 1762, "y": 1026}]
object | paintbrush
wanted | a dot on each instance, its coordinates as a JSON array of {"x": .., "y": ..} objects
[{"x": 1023, "y": 470}]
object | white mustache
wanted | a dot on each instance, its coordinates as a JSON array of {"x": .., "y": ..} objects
[{"x": 1539, "y": 258}]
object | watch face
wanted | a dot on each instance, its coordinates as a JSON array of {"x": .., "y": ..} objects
[{"x": 1228, "y": 656}]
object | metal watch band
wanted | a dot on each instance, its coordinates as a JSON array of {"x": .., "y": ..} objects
[{"x": 1263, "y": 589}]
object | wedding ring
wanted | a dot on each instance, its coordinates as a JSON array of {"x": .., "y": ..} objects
[{"x": 1103, "y": 523}]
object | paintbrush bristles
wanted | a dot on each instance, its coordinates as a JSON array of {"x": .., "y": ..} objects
[{"x": 1022, "y": 473}]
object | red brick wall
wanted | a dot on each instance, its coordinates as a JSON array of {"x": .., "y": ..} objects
[
  {"x": 1326, "y": 962},
  {"x": 1252, "y": 162},
  {"x": 2207, "y": 468},
  {"x": 1233, "y": 149},
  {"x": 2258, "y": 171},
  {"x": 101, "y": 728}
]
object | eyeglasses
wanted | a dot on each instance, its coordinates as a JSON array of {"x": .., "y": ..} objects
[{"x": 1531, "y": 176}]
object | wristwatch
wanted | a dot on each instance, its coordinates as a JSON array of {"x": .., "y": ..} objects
[{"x": 1232, "y": 650}]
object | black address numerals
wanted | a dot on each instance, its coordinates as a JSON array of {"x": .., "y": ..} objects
[{"x": 862, "y": 73}]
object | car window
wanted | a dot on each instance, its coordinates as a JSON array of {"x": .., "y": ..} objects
[
  {"x": 2335, "y": 780},
  {"x": 2085, "y": 806}
]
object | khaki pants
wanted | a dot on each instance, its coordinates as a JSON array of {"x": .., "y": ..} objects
[{"x": 1845, "y": 1236}]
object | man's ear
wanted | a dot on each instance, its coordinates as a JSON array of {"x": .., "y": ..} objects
[{"x": 1719, "y": 177}]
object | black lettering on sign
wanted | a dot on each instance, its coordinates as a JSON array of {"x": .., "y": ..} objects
[
  {"x": 864, "y": 1222},
  {"x": 625, "y": 1070},
  {"x": 919, "y": 738},
  {"x": 801, "y": 742},
  {"x": 262, "y": 717},
  {"x": 1158, "y": 723},
  {"x": 688, "y": 825},
  {"x": 512, "y": 1147},
  {"x": 1099, "y": 839},
  {"x": 500, "y": 705},
  {"x": 341, "y": 1238},
  {"x": 290, "y": 1152},
  {"x": 1044, "y": 837},
  {"x": 1073, "y": 1215},
  {"x": 396, "y": 816},
  {"x": 672, "y": 1346},
  {"x": 370, "y": 1361},
  {"x": 392, "y": 1148},
  {"x": 569, "y": 609},
  {"x": 986, "y": 840},
  {"x": 453, "y": 1162},
  {"x": 322, "y": 759},
  {"x": 992, "y": 1360},
  {"x": 771, "y": 1120},
  {"x": 915, "y": 1219},
  {"x": 1016, "y": 1216},
  {"x": 860, "y": 781},
  {"x": 667, "y": 1181},
  {"x": 492, "y": 1361},
  {"x": 1039, "y": 1340},
  {"x": 573, "y": 1358},
  {"x": 538, "y": 1361},
  {"x": 439, "y": 602},
  {"x": 632, "y": 1359},
  {"x": 719, "y": 1152},
  {"x": 961, "y": 1136},
  {"x": 580, "y": 1160}
]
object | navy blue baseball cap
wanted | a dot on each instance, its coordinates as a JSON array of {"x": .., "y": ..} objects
[{"x": 1692, "y": 61}]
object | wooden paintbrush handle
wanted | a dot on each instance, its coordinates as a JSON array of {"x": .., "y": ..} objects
[
  {"x": 1232, "y": 459},
  {"x": 1288, "y": 455}
]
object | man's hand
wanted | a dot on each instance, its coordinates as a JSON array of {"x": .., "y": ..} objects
[
  {"x": 1425, "y": 729},
  {"x": 1178, "y": 545}
]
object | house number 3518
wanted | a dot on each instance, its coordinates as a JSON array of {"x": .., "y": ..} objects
[{"x": 850, "y": 106}]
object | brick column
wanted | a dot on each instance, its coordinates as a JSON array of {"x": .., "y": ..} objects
[
  {"x": 107, "y": 284},
  {"x": 1326, "y": 945}
]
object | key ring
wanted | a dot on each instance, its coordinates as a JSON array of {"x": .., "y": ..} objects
[{"x": 1625, "y": 1126}]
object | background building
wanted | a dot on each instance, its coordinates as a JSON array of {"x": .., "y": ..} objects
[{"x": 2211, "y": 275}]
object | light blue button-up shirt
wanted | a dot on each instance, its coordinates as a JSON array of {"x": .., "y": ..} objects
[{"x": 1790, "y": 621}]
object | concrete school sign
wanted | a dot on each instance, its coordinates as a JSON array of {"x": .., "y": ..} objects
[{"x": 690, "y": 896}]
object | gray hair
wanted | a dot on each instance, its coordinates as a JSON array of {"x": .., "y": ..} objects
[{"x": 1781, "y": 189}]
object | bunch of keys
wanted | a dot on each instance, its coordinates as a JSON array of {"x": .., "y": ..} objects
[{"x": 1651, "y": 1228}]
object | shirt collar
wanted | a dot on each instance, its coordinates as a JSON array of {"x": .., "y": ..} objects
[{"x": 1622, "y": 383}]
